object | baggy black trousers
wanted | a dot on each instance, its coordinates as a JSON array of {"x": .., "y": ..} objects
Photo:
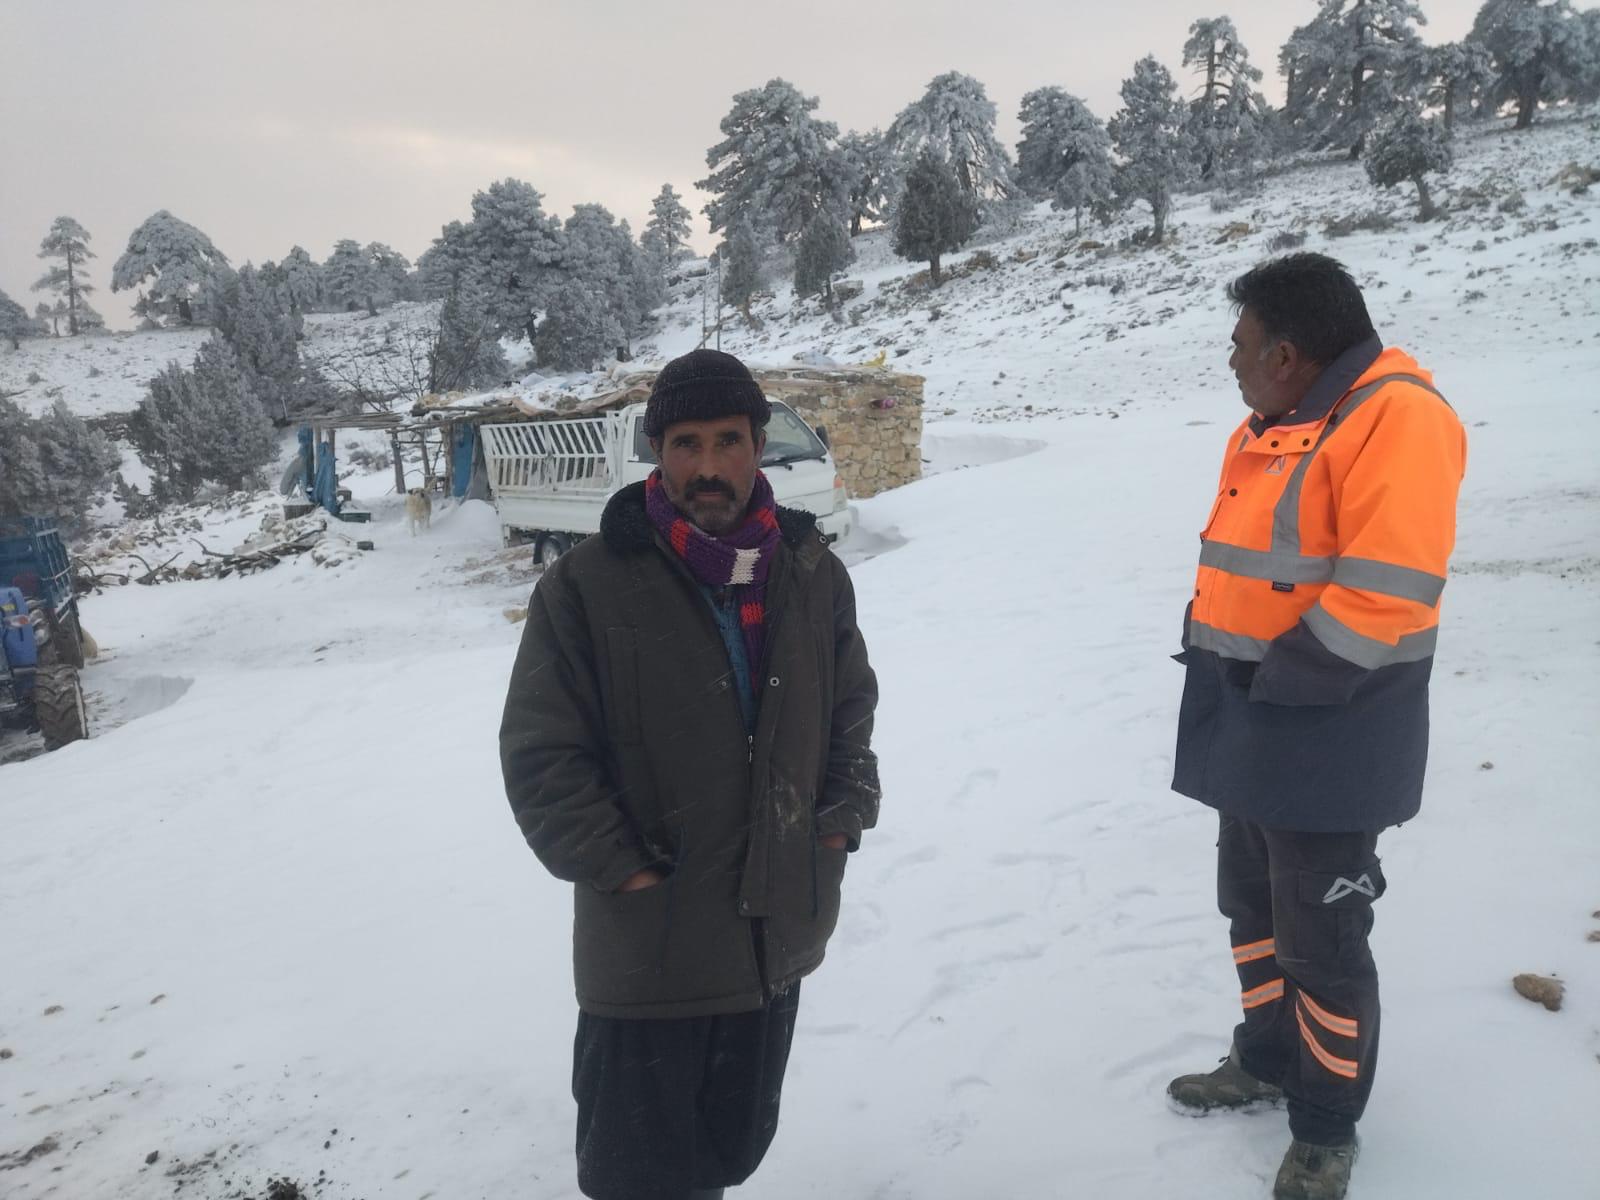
[
  {"x": 667, "y": 1106},
  {"x": 1300, "y": 907}
]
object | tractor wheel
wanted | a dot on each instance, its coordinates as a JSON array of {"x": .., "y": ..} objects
[
  {"x": 68, "y": 637},
  {"x": 58, "y": 705}
]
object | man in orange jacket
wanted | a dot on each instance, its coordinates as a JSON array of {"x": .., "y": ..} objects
[{"x": 1304, "y": 721}]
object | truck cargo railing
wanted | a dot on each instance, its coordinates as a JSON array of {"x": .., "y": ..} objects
[{"x": 582, "y": 455}]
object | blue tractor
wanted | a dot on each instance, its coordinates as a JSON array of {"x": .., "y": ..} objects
[{"x": 41, "y": 640}]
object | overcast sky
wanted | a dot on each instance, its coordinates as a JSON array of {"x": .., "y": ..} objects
[{"x": 269, "y": 123}]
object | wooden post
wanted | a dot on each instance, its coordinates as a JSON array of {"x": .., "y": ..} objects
[{"x": 399, "y": 467}]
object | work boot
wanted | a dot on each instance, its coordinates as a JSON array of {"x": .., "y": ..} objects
[
  {"x": 1315, "y": 1172},
  {"x": 1230, "y": 1086}
]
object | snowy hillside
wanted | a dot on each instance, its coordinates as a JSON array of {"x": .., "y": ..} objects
[{"x": 274, "y": 920}]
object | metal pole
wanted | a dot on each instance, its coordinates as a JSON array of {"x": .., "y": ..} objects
[{"x": 719, "y": 302}]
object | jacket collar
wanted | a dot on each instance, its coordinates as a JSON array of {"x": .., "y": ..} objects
[
  {"x": 1337, "y": 378},
  {"x": 626, "y": 527}
]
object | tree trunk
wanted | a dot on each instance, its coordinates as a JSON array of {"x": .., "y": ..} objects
[
  {"x": 1159, "y": 203},
  {"x": 185, "y": 310},
  {"x": 1211, "y": 76},
  {"x": 1426, "y": 212},
  {"x": 1449, "y": 108},
  {"x": 855, "y": 224},
  {"x": 933, "y": 269},
  {"x": 1359, "y": 145},
  {"x": 1077, "y": 220},
  {"x": 72, "y": 298},
  {"x": 1527, "y": 104}
]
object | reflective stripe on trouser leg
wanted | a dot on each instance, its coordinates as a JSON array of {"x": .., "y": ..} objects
[
  {"x": 1330, "y": 979},
  {"x": 1264, "y": 1036}
]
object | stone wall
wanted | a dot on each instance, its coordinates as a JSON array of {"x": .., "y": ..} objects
[{"x": 873, "y": 418}]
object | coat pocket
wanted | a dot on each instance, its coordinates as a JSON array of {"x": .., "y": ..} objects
[
  {"x": 619, "y": 944},
  {"x": 622, "y": 665},
  {"x": 828, "y": 874}
]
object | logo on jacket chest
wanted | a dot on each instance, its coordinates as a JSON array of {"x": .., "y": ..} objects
[{"x": 1275, "y": 467}]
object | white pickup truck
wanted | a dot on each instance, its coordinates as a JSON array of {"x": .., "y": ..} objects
[{"x": 550, "y": 479}]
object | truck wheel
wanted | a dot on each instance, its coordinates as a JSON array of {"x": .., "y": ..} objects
[
  {"x": 58, "y": 705},
  {"x": 551, "y": 547}
]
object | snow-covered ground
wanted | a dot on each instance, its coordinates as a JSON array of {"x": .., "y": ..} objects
[{"x": 277, "y": 912}]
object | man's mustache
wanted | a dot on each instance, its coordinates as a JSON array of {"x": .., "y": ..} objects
[{"x": 699, "y": 487}]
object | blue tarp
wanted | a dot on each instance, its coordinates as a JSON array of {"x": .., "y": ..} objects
[
  {"x": 327, "y": 487},
  {"x": 463, "y": 449}
]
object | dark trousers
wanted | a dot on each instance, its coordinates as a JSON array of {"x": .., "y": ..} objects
[
  {"x": 668, "y": 1106},
  {"x": 1300, "y": 905}
]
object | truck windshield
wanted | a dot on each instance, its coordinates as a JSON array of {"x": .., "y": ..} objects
[{"x": 789, "y": 439}]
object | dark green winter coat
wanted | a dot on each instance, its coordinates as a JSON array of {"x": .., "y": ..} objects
[{"x": 623, "y": 747}]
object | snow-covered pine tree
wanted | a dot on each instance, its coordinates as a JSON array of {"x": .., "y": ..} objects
[
  {"x": 669, "y": 224},
  {"x": 465, "y": 353},
  {"x": 347, "y": 278},
  {"x": 867, "y": 172},
  {"x": 15, "y": 324},
  {"x": 1541, "y": 53},
  {"x": 516, "y": 251},
  {"x": 741, "y": 269},
  {"x": 67, "y": 241},
  {"x": 1044, "y": 113},
  {"x": 450, "y": 264},
  {"x": 1064, "y": 153},
  {"x": 202, "y": 425},
  {"x": 264, "y": 335},
  {"x": 1151, "y": 136},
  {"x": 954, "y": 120},
  {"x": 1450, "y": 77},
  {"x": 1346, "y": 69},
  {"x": 772, "y": 168},
  {"x": 1409, "y": 149},
  {"x": 301, "y": 279},
  {"x": 824, "y": 251},
  {"x": 391, "y": 274},
  {"x": 178, "y": 257},
  {"x": 579, "y": 329},
  {"x": 1225, "y": 114},
  {"x": 935, "y": 214},
  {"x": 54, "y": 464},
  {"x": 601, "y": 255}
]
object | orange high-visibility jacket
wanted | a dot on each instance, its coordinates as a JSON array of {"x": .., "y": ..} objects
[{"x": 1310, "y": 637}]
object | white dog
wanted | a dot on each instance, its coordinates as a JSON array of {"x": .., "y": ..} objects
[{"x": 419, "y": 510}]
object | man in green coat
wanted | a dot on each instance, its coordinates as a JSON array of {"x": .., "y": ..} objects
[{"x": 687, "y": 738}]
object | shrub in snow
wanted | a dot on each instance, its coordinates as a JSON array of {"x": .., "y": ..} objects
[
  {"x": 53, "y": 466},
  {"x": 1410, "y": 149},
  {"x": 15, "y": 323},
  {"x": 935, "y": 215}
]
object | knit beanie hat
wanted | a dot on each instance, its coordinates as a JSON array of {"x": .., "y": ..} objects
[{"x": 704, "y": 385}]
